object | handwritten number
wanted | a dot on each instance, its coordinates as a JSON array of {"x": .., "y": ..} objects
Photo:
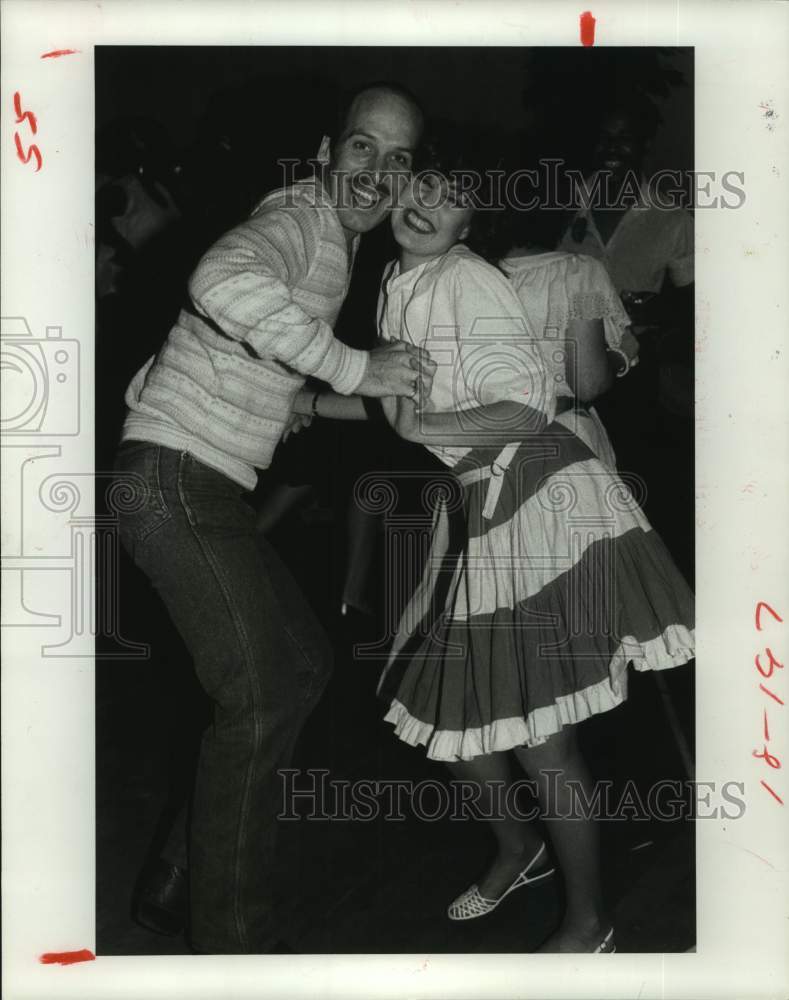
[
  {"x": 25, "y": 157},
  {"x": 23, "y": 115},
  {"x": 33, "y": 152},
  {"x": 773, "y": 664},
  {"x": 767, "y": 671},
  {"x": 771, "y": 694},
  {"x": 767, "y": 757},
  {"x": 764, "y": 604},
  {"x": 774, "y": 794}
]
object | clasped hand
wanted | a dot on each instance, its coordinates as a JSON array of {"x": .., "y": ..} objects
[{"x": 397, "y": 368}]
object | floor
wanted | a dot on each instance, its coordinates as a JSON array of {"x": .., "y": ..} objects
[{"x": 379, "y": 885}]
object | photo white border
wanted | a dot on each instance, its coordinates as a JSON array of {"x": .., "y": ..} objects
[{"x": 742, "y": 473}]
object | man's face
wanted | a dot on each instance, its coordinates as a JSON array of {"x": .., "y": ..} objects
[
  {"x": 372, "y": 158},
  {"x": 619, "y": 147}
]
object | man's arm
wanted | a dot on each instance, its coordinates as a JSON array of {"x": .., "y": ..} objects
[{"x": 244, "y": 285}]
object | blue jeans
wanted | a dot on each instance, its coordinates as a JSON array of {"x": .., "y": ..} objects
[{"x": 260, "y": 655}]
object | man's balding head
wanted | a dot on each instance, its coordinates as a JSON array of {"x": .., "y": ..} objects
[
  {"x": 395, "y": 95},
  {"x": 378, "y": 129}
]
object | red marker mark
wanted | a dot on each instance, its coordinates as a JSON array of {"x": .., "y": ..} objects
[
  {"x": 768, "y": 758},
  {"x": 767, "y": 672},
  {"x": 759, "y": 606},
  {"x": 774, "y": 794},
  {"x": 773, "y": 696},
  {"x": 56, "y": 53},
  {"x": 30, "y": 120},
  {"x": 25, "y": 157},
  {"x": 24, "y": 115},
  {"x": 587, "y": 28},
  {"x": 773, "y": 664},
  {"x": 67, "y": 957}
]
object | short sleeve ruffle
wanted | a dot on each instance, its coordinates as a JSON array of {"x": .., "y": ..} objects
[{"x": 592, "y": 295}]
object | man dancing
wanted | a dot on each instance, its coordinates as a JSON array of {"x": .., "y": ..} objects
[{"x": 203, "y": 415}]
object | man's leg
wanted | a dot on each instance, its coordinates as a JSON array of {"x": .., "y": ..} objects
[{"x": 261, "y": 657}]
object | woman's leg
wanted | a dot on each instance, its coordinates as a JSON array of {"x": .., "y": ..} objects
[
  {"x": 557, "y": 766},
  {"x": 517, "y": 841},
  {"x": 362, "y": 532}
]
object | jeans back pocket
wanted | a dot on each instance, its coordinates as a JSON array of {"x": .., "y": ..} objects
[{"x": 137, "y": 492}]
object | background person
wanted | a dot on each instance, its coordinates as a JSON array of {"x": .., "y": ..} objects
[{"x": 646, "y": 245}]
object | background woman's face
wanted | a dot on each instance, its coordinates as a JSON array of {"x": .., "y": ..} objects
[
  {"x": 619, "y": 147},
  {"x": 432, "y": 216}
]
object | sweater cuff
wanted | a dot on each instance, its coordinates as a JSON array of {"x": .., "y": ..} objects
[{"x": 343, "y": 368}]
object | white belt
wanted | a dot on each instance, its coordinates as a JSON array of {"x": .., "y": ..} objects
[{"x": 495, "y": 472}]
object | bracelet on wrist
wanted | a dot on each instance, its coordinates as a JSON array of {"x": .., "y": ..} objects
[
  {"x": 315, "y": 398},
  {"x": 621, "y": 372}
]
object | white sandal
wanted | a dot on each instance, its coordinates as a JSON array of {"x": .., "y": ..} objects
[{"x": 470, "y": 904}]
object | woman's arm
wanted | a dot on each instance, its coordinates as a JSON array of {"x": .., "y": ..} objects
[
  {"x": 493, "y": 424},
  {"x": 590, "y": 366},
  {"x": 310, "y": 403}
]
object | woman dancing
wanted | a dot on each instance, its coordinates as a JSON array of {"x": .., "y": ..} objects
[{"x": 527, "y": 626}]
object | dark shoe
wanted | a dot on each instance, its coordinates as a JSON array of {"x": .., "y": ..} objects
[
  {"x": 161, "y": 898},
  {"x": 607, "y": 945}
]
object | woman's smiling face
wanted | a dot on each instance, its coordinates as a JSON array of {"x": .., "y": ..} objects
[{"x": 430, "y": 218}]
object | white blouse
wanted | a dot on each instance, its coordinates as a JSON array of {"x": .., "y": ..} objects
[
  {"x": 557, "y": 288},
  {"x": 468, "y": 316}
]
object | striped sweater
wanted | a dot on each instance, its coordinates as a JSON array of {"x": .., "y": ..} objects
[{"x": 263, "y": 301}]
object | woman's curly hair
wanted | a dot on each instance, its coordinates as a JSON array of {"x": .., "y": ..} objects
[{"x": 469, "y": 159}]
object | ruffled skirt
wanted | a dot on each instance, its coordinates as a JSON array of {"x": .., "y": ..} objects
[{"x": 533, "y": 601}]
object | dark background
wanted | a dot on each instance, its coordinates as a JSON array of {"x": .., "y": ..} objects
[
  {"x": 210, "y": 124},
  {"x": 268, "y": 89}
]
